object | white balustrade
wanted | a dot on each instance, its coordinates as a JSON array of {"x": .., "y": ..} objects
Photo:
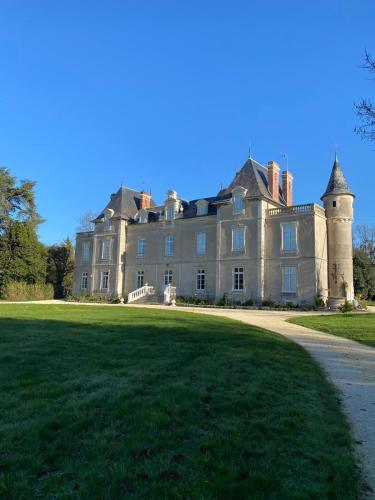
[{"x": 140, "y": 292}]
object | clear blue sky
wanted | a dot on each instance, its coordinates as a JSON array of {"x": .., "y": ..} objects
[{"x": 169, "y": 93}]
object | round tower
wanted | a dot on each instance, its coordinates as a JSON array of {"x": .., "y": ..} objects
[{"x": 338, "y": 204}]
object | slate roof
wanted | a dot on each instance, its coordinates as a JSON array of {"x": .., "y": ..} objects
[
  {"x": 125, "y": 204},
  {"x": 337, "y": 183},
  {"x": 253, "y": 177}
]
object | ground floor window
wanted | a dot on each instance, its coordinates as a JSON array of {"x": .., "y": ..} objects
[
  {"x": 237, "y": 278},
  {"x": 84, "y": 280},
  {"x": 201, "y": 279},
  {"x": 168, "y": 277},
  {"x": 140, "y": 279},
  {"x": 104, "y": 279},
  {"x": 289, "y": 279}
]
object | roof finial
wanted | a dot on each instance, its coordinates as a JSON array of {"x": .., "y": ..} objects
[
  {"x": 336, "y": 153},
  {"x": 250, "y": 145}
]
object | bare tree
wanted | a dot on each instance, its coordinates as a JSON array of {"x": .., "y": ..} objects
[
  {"x": 85, "y": 221},
  {"x": 365, "y": 108},
  {"x": 364, "y": 239}
]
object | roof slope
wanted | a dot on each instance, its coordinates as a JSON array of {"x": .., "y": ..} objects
[
  {"x": 253, "y": 177},
  {"x": 337, "y": 183},
  {"x": 125, "y": 203}
]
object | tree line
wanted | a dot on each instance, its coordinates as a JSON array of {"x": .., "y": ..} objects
[{"x": 45, "y": 270}]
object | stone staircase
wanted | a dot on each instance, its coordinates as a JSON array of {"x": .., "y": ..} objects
[{"x": 149, "y": 300}]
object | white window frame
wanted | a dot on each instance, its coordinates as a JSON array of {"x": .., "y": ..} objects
[
  {"x": 237, "y": 272},
  {"x": 285, "y": 244},
  {"x": 84, "y": 280},
  {"x": 168, "y": 277},
  {"x": 169, "y": 245},
  {"x": 104, "y": 280},
  {"x": 289, "y": 279},
  {"x": 237, "y": 244},
  {"x": 140, "y": 279},
  {"x": 200, "y": 243},
  {"x": 141, "y": 247},
  {"x": 105, "y": 249},
  {"x": 85, "y": 252},
  {"x": 200, "y": 280}
]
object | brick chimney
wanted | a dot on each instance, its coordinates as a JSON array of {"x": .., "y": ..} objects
[
  {"x": 287, "y": 182},
  {"x": 145, "y": 200},
  {"x": 273, "y": 179}
]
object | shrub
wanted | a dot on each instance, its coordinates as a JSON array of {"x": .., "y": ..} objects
[
  {"x": 19, "y": 290},
  {"x": 268, "y": 303},
  {"x": 319, "y": 302},
  {"x": 347, "y": 307},
  {"x": 248, "y": 303}
]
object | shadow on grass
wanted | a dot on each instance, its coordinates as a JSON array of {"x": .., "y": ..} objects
[{"x": 160, "y": 405}]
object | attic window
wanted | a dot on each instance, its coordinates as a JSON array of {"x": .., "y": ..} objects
[
  {"x": 143, "y": 217},
  {"x": 202, "y": 207},
  {"x": 107, "y": 224},
  {"x": 238, "y": 204}
]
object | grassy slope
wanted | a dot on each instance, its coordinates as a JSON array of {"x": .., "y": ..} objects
[
  {"x": 359, "y": 327},
  {"x": 99, "y": 402}
]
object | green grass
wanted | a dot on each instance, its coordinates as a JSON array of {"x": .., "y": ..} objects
[
  {"x": 104, "y": 402},
  {"x": 359, "y": 327}
]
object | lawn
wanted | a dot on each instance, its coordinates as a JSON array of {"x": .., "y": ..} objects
[
  {"x": 109, "y": 402},
  {"x": 359, "y": 326}
]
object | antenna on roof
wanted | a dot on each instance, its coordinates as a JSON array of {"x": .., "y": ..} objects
[
  {"x": 250, "y": 147},
  {"x": 286, "y": 158}
]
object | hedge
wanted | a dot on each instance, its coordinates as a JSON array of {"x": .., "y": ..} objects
[{"x": 19, "y": 290}]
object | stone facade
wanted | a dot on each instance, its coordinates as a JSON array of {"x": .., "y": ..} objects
[{"x": 248, "y": 242}]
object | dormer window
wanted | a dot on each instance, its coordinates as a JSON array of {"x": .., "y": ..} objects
[
  {"x": 143, "y": 217},
  {"x": 169, "y": 214},
  {"x": 238, "y": 195},
  {"x": 202, "y": 207},
  {"x": 107, "y": 224}
]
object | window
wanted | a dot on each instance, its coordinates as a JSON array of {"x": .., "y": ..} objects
[
  {"x": 105, "y": 249},
  {"x": 143, "y": 217},
  {"x": 238, "y": 239},
  {"x": 169, "y": 246},
  {"x": 84, "y": 280},
  {"x": 169, "y": 213},
  {"x": 238, "y": 204},
  {"x": 289, "y": 237},
  {"x": 104, "y": 278},
  {"x": 107, "y": 224},
  {"x": 201, "y": 278},
  {"x": 289, "y": 279},
  {"x": 141, "y": 247},
  {"x": 85, "y": 252},
  {"x": 334, "y": 204},
  {"x": 140, "y": 279},
  {"x": 202, "y": 207},
  {"x": 168, "y": 277},
  {"x": 237, "y": 279},
  {"x": 201, "y": 244}
]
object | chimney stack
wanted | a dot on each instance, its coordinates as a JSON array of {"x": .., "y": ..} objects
[
  {"x": 287, "y": 182},
  {"x": 273, "y": 179},
  {"x": 145, "y": 200}
]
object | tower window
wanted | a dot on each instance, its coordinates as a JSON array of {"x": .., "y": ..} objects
[{"x": 334, "y": 204}]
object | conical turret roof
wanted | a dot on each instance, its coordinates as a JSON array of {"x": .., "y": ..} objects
[{"x": 337, "y": 183}]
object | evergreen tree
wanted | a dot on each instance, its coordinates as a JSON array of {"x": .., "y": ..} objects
[
  {"x": 22, "y": 256},
  {"x": 60, "y": 267}
]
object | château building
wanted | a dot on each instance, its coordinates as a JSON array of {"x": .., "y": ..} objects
[{"x": 247, "y": 242}]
